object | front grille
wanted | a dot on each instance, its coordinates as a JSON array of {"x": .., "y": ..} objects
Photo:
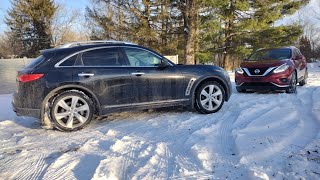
[{"x": 262, "y": 71}]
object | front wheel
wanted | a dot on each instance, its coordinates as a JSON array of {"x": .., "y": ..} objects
[
  {"x": 293, "y": 84},
  {"x": 71, "y": 110},
  {"x": 304, "y": 80},
  {"x": 209, "y": 97}
]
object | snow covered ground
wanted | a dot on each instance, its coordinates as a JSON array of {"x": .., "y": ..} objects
[{"x": 255, "y": 135}]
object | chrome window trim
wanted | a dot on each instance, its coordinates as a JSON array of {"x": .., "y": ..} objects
[
  {"x": 265, "y": 73},
  {"x": 57, "y": 65},
  {"x": 146, "y": 103}
]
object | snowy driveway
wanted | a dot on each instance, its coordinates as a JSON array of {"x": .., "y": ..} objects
[{"x": 266, "y": 135}]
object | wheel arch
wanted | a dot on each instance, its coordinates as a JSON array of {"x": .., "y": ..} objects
[
  {"x": 54, "y": 92},
  {"x": 206, "y": 79}
]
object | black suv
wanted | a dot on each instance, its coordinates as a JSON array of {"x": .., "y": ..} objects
[{"x": 76, "y": 81}]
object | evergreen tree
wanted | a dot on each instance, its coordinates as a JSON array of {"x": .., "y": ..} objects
[
  {"x": 30, "y": 23},
  {"x": 305, "y": 48},
  {"x": 245, "y": 23}
]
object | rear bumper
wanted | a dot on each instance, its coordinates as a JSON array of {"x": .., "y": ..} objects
[
  {"x": 36, "y": 113},
  {"x": 27, "y": 112}
]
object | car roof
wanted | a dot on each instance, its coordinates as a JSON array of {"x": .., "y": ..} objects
[
  {"x": 79, "y": 47},
  {"x": 284, "y": 47}
]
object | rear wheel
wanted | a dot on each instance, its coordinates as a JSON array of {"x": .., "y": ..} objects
[
  {"x": 293, "y": 84},
  {"x": 71, "y": 110},
  {"x": 304, "y": 80},
  {"x": 209, "y": 97}
]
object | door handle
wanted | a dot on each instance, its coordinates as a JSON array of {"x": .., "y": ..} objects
[
  {"x": 85, "y": 74},
  {"x": 138, "y": 73}
]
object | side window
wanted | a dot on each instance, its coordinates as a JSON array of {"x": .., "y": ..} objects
[
  {"x": 101, "y": 57},
  {"x": 299, "y": 52},
  {"x": 295, "y": 52},
  {"x": 70, "y": 61},
  {"x": 139, "y": 57}
]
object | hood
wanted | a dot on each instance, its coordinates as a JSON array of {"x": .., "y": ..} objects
[{"x": 263, "y": 63}]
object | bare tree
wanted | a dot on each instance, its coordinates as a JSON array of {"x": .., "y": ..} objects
[{"x": 67, "y": 26}]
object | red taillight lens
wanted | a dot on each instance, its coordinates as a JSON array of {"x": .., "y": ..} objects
[{"x": 30, "y": 77}]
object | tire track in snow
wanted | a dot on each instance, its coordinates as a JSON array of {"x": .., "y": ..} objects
[
  {"x": 303, "y": 129},
  {"x": 32, "y": 170},
  {"x": 227, "y": 121}
]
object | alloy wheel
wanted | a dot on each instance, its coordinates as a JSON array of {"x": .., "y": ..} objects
[
  {"x": 211, "y": 97},
  {"x": 71, "y": 112}
]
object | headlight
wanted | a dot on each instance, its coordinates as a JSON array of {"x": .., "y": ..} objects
[
  {"x": 239, "y": 70},
  {"x": 281, "y": 68}
]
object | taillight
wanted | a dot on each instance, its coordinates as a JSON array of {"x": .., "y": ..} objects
[{"x": 30, "y": 77}]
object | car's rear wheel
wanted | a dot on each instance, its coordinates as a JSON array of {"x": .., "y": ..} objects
[
  {"x": 209, "y": 97},
  {"x": 293, "y": 84},
  {"x": 304, "y": 80},
  {"x": 71, "y": 110}
]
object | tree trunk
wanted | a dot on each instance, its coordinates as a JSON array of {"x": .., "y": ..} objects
[
  {"x": 228, "y": 38},
  {"x": 189, "y": 12}
]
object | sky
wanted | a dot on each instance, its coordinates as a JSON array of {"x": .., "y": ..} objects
[{"x": 73, "y": 4}]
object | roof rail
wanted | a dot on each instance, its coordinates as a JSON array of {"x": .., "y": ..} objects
[{"x": 94, "y": 42}]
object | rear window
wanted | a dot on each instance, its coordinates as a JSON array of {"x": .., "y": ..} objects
[
  {"x": 70, "y": 61},
  {"x": 35, "y": 62},
  {"x": 271, "y": 54}
]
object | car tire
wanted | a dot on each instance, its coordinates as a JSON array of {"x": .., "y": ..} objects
[
  {"x": 71, "y": 110},
  {"x": 210, "y": 97},
  {"x": 293, "y": 84},
  {"x": 304, "y": 80}
]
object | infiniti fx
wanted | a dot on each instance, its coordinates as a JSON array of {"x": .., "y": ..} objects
[{"x": 75, "y": 82}]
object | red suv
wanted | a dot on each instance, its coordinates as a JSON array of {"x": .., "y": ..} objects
[{"x": 272, "y": 69}]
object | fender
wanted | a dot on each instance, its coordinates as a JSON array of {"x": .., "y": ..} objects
[
  {"x": 68, "y": 86},
  {"x": 204, "y": 78}
]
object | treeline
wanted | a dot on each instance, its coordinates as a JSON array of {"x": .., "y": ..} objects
[
  {"x": 221, "y": 32},
  {"x": 199, "y": 31}
]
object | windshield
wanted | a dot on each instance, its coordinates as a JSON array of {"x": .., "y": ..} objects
[{"x": 271, "y": 54}]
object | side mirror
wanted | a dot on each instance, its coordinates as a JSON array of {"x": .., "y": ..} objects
[
  {"x": 299, "y": 57},
  {"x": 163, "y": 64}
]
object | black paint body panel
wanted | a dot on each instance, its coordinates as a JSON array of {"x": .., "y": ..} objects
[{"x": 115, "y": 88}]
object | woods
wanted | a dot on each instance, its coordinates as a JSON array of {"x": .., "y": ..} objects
[{"x": 220, "y": 32}]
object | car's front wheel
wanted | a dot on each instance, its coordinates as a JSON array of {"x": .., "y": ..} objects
[
  {"x": 71, "y": 110},
  {"x": 293, "y": 84},
  {"x": 209, "y": 97},
  {"x": 304, "y": 80}
]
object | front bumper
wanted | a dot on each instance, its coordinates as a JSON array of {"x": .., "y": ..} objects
[
  {"x": 277, "y": 81},
  {"x": 261, "y": 86}
]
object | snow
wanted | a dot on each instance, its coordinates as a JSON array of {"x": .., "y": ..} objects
[{"x": 260, "y": 135}]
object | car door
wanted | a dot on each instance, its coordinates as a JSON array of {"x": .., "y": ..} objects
[
  {"x": 303, "y": 63},
  {"x": 102, "y": 70},
  {"x": 298, "y": 61},
  {"x": 153, "y": 83}
]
